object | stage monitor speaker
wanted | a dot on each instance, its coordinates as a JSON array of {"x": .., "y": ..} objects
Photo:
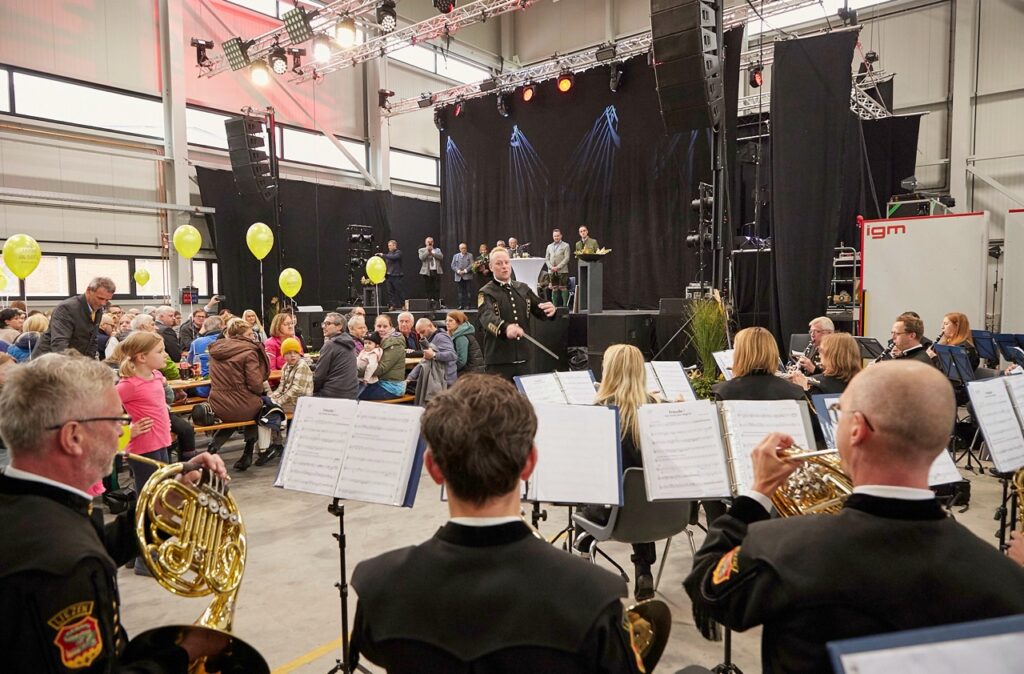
[
  {"x": 673, "y": 306},
  {"x": 607, "y": 328},
  {"x": 419, "y": 305},
  {"x": 250, "y": 162},
  {"x": 687, "y": 63}
]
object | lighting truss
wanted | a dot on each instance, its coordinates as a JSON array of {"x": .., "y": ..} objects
[
  {"x": 435, "y": 27},
  {"x": 320, "y": 21},
  {"x": 861, "y": 101}
]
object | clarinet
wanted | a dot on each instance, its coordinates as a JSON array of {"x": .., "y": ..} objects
[{"x": 887, "y": 354}]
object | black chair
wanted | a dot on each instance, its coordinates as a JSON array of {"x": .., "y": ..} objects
[{"x": 798, "y": 342}]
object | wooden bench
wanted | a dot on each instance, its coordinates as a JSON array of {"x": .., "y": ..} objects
[
  {"x": 407, "y": 398},
  {"x": 229, "y": 424}
]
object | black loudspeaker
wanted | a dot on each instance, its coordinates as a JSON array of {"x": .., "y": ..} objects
[
  {"x": 607, "y": 328},
  {"x": 687, "y": 63},
  {"x": 250, "y": 162},
  {"x": 309, "y": 324},
  {"x": 673, "y": 306},
  {"x": 419, "y": 305}
]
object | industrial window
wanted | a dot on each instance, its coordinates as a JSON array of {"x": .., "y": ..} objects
[
  {"x": 416, "y": 56},
  {"x": 314, "y": 148},
  {"x": 415, "y": 168},
  {"x": 88, "y": 268},
  {"x": 50, "y": 279},
  {"x": 200, "y": 278},
  {"x": 155, "y": 286},
  {"x": 460, "y": 70}
]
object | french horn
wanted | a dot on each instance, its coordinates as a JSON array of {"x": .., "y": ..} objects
[
  {"x": 818, "y": 486},
  {"x": 192, "y": 539}
]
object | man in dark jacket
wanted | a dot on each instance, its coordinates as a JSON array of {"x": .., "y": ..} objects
[
  {"x": 165, "y": 327},
  {"x": 75, "y": 321},
  {"x": 190, "y": 330},
  {"x": 393, "y": 277},
  {"x": 442, "y": 350},
  {"x": 335, "y": 375}
]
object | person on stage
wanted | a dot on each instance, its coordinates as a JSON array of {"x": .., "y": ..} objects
[
  {"x": 840, "y": 361},
  {"x": 393, "y": 276},
  {"x": 817, "y": 329},
  {"x": 504, "y": 307},
  {"x": 906, "y": 339},
  {"x": 487, "y": 593},
  {"x": 513, "y": 247},
  {"x": 557, "y": 258},
  {"x": 891, "y": 560},
  {"x": 431, "y": 260},
  {"x": 462, "y": 267},
  {"x": 754, "y": 364},
  {"x": 586, "y": 244},
  {"x": 481, "y": 267},
  {"x": 59, "y": 602}
]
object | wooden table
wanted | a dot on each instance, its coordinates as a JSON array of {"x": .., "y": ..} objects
[{"x": 179, "y": 384}]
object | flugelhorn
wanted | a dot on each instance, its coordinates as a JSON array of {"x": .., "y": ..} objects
[{"x": 192, "y": 539}]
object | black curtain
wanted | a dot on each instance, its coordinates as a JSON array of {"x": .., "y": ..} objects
[
  {"x": 811, "y": 135},
  {"x": 593, "y": 157},
  {"x": 312, "y": 236}
]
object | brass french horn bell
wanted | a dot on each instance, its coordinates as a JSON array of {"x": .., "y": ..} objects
[
  {"x": 650, "y": 623},
  {"x": 192, "y": 539}
]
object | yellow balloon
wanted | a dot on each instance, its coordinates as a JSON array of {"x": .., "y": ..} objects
[
  {"x": 376, "y": 268},
  {"x": 290, "y": 281},
  {"x": 126, "y": 436},
  {"x": 187, "y": 241},
  {"x": 260, "y": 240},
  {"x": 141, "y": 277},
  {"x": 21, "y": 255}
]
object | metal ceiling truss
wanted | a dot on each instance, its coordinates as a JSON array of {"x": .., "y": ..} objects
[{"x": 320, "y": 21}]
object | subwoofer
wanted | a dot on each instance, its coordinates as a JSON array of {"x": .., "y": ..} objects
[{"x": 687, "y": 63}]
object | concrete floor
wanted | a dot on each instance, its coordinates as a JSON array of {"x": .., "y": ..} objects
[{"x": 289, "y": 609}]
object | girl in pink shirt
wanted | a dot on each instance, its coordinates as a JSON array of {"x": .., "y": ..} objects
[{"x": 142, "y": 393}]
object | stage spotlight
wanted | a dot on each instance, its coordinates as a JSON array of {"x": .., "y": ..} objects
[
  {"x": 565, "y": 82},
  {"x": 260, "y": 73},
  {"x": 322, "y": 49},
  {"x": 756, "y": 75},
  {"x": 871, "y": 57},
  {"x": 444, "y": 6},
  {"x": 278, "y": 60},
  {"x": 426, "y": 100},
  {"x": 202, "y": 60},
  {"x": 440, "y": 120},
  {"x": 605, "y": 53},
  {"x": 297, "y": 54},
  {"x": 528, "y": 92},
  {"x": 296, "y": 23},
  {"x": 387, "y": 18},
  {"x": 382, "y": 98},
  {"x": 504, "y": 104},
  {"x": 614, "y": 76},
  {"x": 459, "y": 108},
  {"x": 237, "y": 52},
  {"x": 345, "y": 32}
]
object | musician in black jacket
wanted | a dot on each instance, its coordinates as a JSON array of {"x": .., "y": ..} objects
[
  {"x": 487, "y": 593},
  {"x": 754, "y": 363},
  {"x": 907, "y": 333},
  {"x": 505, "y": 307},
  {"x": 817, "y": 329},
  {"x": 59, "y": 605},
  {"x": 890, "y": 560},
  {"x": 956, "y": 331},
  {"x": 840, "y": 361}
]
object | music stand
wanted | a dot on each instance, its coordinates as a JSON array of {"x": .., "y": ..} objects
[
  {"x": 870, "y": 348},
  {"x": 954, "y": 364},
  {"x": 1010, "y": 349}
]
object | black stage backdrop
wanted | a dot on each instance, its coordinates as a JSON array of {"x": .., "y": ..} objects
[
  {"x": 810, "y": 139},
  {"x": 593, "y": 157},
  {"x": 312, "y": 238}
]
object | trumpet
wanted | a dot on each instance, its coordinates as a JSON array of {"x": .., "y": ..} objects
[{"x": 192, "y": 539}]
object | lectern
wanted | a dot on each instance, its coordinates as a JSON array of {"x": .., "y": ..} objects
[{"x": 589, "y": 286}]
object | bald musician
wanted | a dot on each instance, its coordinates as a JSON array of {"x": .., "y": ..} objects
[
  {"x": 890, "y": 560},
  {"x": 486, "y": 593}
]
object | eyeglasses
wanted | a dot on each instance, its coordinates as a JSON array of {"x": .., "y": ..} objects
[
  {"x": 834, "y": 412},
  {"x": 897, "y": 334},
  {"x": 123, "y": 421}
]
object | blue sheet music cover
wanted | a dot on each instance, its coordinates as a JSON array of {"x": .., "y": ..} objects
[
  {"x": 414, "y": 474},
  {"x": 821, "y": 403},
  {"x": 618, "y": 448}
]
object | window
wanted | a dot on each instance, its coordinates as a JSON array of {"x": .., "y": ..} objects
[
  {"x": 413, "y": 167},
  {"x": 156, "y": 286},
  {"x": 5, "y": 92},
  {"x": 461, "y": 71},
  {"x": 206, "y": 128},
  {"x": 11, "y": 288},
  {"x": 414, "y": 55},
  {"x": 50, "y": 279},
  {"x": 88, "y": 268},
  {"x": 81, "y": 104},
  {"x": 315, "y": 148},
  {"x": 199, "y": 278},
  {"x": 214, "y": 270}
]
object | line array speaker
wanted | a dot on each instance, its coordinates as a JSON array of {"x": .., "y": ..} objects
[
  {"x": 250, "y": 162},
  {"x": 687, "y": 63}
]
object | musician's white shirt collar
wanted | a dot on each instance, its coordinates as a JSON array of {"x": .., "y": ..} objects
[
  {"x": 484, "y": 521},
  {"x": 879, "y": 490},
  {"x": 14, "y": 473}
]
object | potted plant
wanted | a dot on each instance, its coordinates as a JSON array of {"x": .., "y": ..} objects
[{"x": 707, "y": 330}]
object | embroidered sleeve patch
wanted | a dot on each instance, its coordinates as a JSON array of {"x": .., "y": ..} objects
[
  {"x": 727, "y": 565},
  {"x": 78, "y": 635}
]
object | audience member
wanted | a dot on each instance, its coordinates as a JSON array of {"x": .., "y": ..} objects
[
  {"x": 238, "y": 380},
  {"x": 818, "y": 328},
  {"x": 21, "y": 350},
  {"x": 840, "y": 361},
  {"x": 391, "y": 371},
  {"x": 335, "y": 374},
  {"x": 818, "y": 578},
  {"x": 437, "y": 371},
  {"x": 281, "y": 328},
  {"x": 254, "y": 321},
  {"x": 406, "y": 326},
  {"x": 146, "y": 323},
  {"x": 755, "y": 361},
  {"x": 420, "y": 608},
  {"x": 165, "y": 323},
  {"x": 481, "y": 268},
  {"x": 74, "y": 321},
  {"x": 462, "y": 264},
  {"x": 124, "y": 326},
  {"x": 191, "y": 329},
  {"x": 296, "y": 381},
  {"x": 105, "y": 340},
  {"x": 11, "y": 321},
  {"x": 470, "y": 357},
  {"x": 368, "y": 361},
  {"x": 198, "y": 350},
  {"x": 624, "y": 384},
  {"x": 357, "y": 328}
]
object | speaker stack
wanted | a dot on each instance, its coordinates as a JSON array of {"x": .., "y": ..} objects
[
  {"x": 360, "y": 249},
  {"x": 688, "y": 63},
  {"x": 613, "y": 327},
  {"x": 250, "y": 161}
]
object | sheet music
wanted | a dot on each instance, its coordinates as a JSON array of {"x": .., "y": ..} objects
[
  {"x": 724, "y": 361},
  {"x": 317, "y": 441},
  {"x": 380, "y": 454},
  {"x": 993, "y": 654},
  {"x": 653, "y": 385},
  {"x": 577, "y": 455},
  {"x": 993, "y": 410},
  {"x": 749, "y": 421},
  {"x": 1015, "y": 389},
  {"x": 681, "y": 444},
  {"x": 674, "y": 381},
  {"x": 578, "y": 386},
  {"x": 543, "y": 388},
  {"x": 943, "y": 470}
]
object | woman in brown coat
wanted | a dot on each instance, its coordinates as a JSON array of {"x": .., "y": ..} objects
[{"x": 238, "y": 380}]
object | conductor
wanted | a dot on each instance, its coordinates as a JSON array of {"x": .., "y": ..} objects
[{"x": 890, "y": 560}]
